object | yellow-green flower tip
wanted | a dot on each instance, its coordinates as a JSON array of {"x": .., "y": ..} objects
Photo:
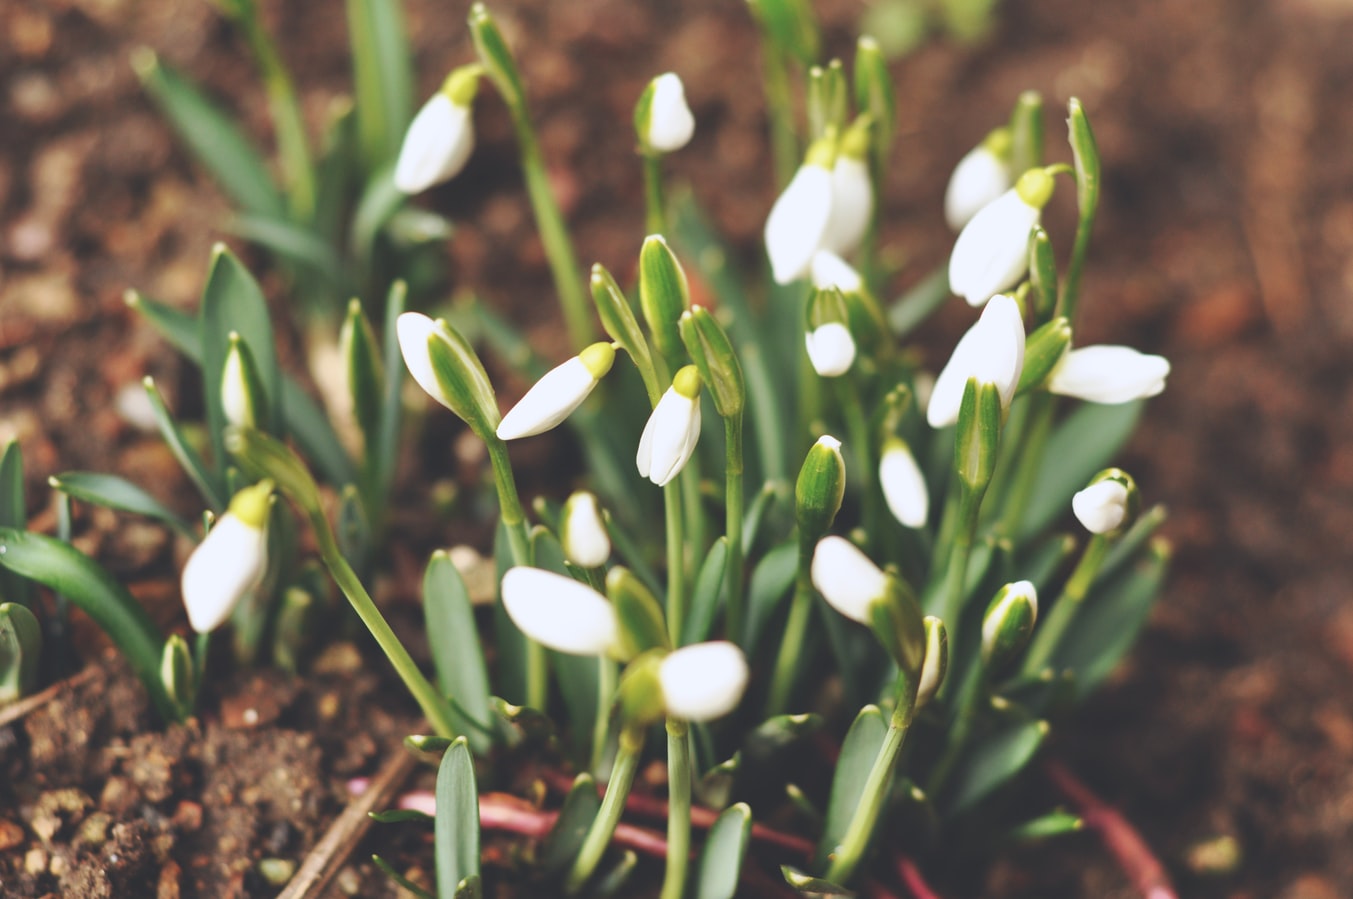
[
  {"x": 687, "y": 382},
  {"x": 462, "y": 84},
  {"x": 251, "y": 504},
  {"x": 855, "y": 142},
  {"x": 598, "y": 359},
  {"x": 822, "y": 152},
  {"x": 999, "y": 142},
  {"x": 1035, "y": 187}
]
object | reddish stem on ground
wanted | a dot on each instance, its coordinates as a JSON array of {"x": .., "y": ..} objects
[
  {"x": 1122, "y": 840},
  {"x": 913, "y": 880}
]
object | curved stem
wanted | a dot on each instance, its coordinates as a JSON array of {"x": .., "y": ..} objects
[
  {"x": 606, "y": 685},
  {"x": 861, "y": 448},
  {"x": 608, "y": 815},
  {"x": 655, "y": 205},
  {"x": 1037, "y": 424},
  {"x": 974, "y": 686},
  {"x": 733, "y": 513},
  {"x": 679, "y": 808},
  {"x": 791, "y": 647},
  {"x": 1067, "y": 605},
  {"x": 514, "y": 520},
  {"x": 676, "y": 570}
]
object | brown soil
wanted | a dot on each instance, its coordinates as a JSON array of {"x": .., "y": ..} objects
[{"x": 1223, "y": 241}]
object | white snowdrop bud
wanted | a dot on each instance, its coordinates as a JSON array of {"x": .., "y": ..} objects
[
  {"x": 704, "y": 681},
  {"x": 559, "y": 612},
  {"x": 831, "y": 349},
  {"x": 441, "y": 137},
  {"x": 979, "y": 178},
  {"x": 583, "y": 533},
  {"x": 230, "y": 560},
  {"x": 1109, "y": 374},
  {"x": 670, "y": 436},
  {"x": 560, "y": 391},
  {"x": 1102, "y": 506},
  {"x": 798, "y": 220},
  {"x": 670, "y": 123},
  {"x": 904, "y": 487},
  {"x": 992, "y": 351},
  {"x": 846, "y": 578},
  {"x": 992, "y": 252},
  {"x": 852, "y": 205},
  {"x": 830, "y": 270}
]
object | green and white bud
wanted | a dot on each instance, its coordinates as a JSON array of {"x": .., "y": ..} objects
[
  {"x": 903, "y": 484},
  {"x": 639, "y": 615},
  {"x": 664, "y": 294},
  {"x": 936, "y": 663},
  {"x": 797, "y": 223},
  {"x": 1008, "y": 624},
  {"x": 662, "y": 119},
  {"x": 1109, "y": 375},
  {"x": 230, "y": 560},
  {"x": 712, "y": 352},
  {"x": 820, "y": 489},
  {"x": 670, "y": 436},
  {"x": 440, "y": 138},
  {"x": 846, "y": 578},
  {"x": 979, "y": 178},
  {"x": 1043, "y": 350},
  {"x": 830, "y": 345},
  {"x": 992, "y": 351},
  {"x": 617, "y": 318},
  {"x": 704, "y": 681},
  {"x": 20, "y": 651},
  {"x": 558, "y": 393},
  {"x": 178, "y": 674},
  {"x": 560, "y": 613},
  {"x": 242, "y": 398},
  {"x": 444, "y": 364},
  {"x": 1108, "y": 503},
  {"x": 582, "y": 532},
  {"x": 852, "y": 205},
  {"x": 992, "y": 251},
  {"x": 362, "y": 364}
]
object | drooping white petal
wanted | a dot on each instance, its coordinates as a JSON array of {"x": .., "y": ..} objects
[
  {"x": 1109, "y": 374},
  {"x": 846, "y": 577},
  {"x": 669, "y": 438},
  {"x": 904, "y": 487},
  {"x": 670, "y": 122},
  {"x": 549, "y": 401},
  {"x": 704, "y": 681},
  {"x": 1102, "y": 506},
  {"x": 559, "y": 612},
  {"x": 831, "y": 349},
  {"x": 852, "y": 205},
  {"x": 992, "y": 351},
  {"x": 830, "y": 270},
  {"x": 413, "y": 330},
  {"x": 227, "y": 564},
  {"x": 979, "y": 178},
  {"x": 436, "y": 146},
  {"x": 797, "y": 222},
  {"x": 583, "y": 533},
  {"x": 992, "y": 252}
]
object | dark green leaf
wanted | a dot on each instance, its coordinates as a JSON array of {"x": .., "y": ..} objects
[
  {"x": 916, "y": 305},
  {"x": 382, "y": 66},
  {"x": 174, "y": 325},
  {"x": 208, "y": 485},
  {"x": 379, "y": 202},
  {"x": 390, "y": 872},
  {"x": 20, "y": 651},
  {"x": 13, "y": 514},
  {"x": 725, "y": 848},
  {"x": 776, "y": 733},
  {"x": 117, "y": 493},
  {"x": 706, "y": 595},
  {"x": 294, "y": 243},
  {"x": 457, "y": 828},
  {"x": 392, "y": 407},
  {"x": 812, "y": 886},
  {"x": 508, "y": 639},
  {"x": 771, "y": 581},
  {"x": 858, "y": 752},
  {"x": 570, "y": 828},
  {"x": 310, "y": 427},
  {"x": 398, "y": 816},
  {"x": 454, "y": 642},
  {"x": 993, "y": 761}
]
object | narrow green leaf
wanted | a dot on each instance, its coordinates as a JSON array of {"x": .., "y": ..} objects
[
  {"x": 66, "y": 570},
  {"x": 858, "y": 751},
  {"x": 791, "y": 26},
  {"x": 294, "y": 243},
  {"x": 706, "y": 595},
  {"x": 570, "y": 828},
  {"x": 456, "y": 649},
  {"x": 457, "y": 827},
  {"x": 577, "y": 675},
  {"x": 400, "y": 879},
  {"x": 725, "y": 849},
  {"x": 382, "y": 65},
  {"x": 392, "y": 406},
  {"x": 174, "y": 325},
  {"x": 777, "y": 733},
  {"x": 1053, "y": 824},
  {"x": 993, "y": 761},
  {"x": 310, "y": 427},
  {"x": 812, "y": 886},
  {"x": 379, "y": 202},
  {"x": 20, "y": 651},
  {"x": 508, "y": 639},
  {"x": 207, "y": 483},
  {"x": 398, "y": 816},
  {"x": 117, "y": 493},
  {"x": 211, "y": 136},
  {"x": 915, "y": 306},
  {"x": 13, "y": 514},
  {"x": 335, "y": 172},
  {"x": 771, "y": 581}
]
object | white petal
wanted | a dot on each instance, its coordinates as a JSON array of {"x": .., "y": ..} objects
[
  {"x": 670, "y": 123},
  {"x": 846, "y": 577},
  {"x": 992, "y": 252},
  {"x": 979, "y": 178},
  {"x": 1109, "y": 374},
  {"x": 226, "y": 565},
  {"x": 904, "y": 487},
  {"x": 413, "y": 330},
  {"x": 559, "y": 612},
  {"x": 831, "y": 349},
  {"x": 704, "y": 681},
  {"x": 852, "y": 206},
  {"x": 583, "y": 533},
  {"x": 549, "y": 401},
  {"x": 235, "y": 393},
  {"x": 1101, "y": 507},
  {"x": 830, "y": 270},
  {"x": 992, "y": 351},
  {"x": 669, "y": 438},
  {"x": 436, "y": 146},
  {"x": 797, "y": 221}
]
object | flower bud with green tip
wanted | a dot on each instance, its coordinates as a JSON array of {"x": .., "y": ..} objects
[
  {"x": 712, "y": 352},
  {"x": 704, "y": 681},
  {"x": 828, "y": 340},
  {"x": 663, "y": 294},
  {"x": 854, "y": 586},
  {"x": 242, "y": 398},
  {"x": 936, "y": 663},
  {"x": 441, "y": 137},
  {"x": 582, "y": 532},
  {"x": 992, "y": 251},
  {"x": 1008, "y": 624},
  {"x": 867, "y": 322},
  {"x": 20, "y": 651},
  {"x": 495, "y": 56},
  {"x": 640, "y": 694},
  {"x": 662, "y": 120},
  {"x": 798, "y": 221},
  {"x": 1109, "y": 374},
  {"x": 1043, "y": 350},
  {"x": 903, "y": 484},
  {"x": 362, "y": 363},
  {"x": 992, "y": 352},
  {"x": 852, "y": 205},
  {"x": 820, "y": 489},
  {"x": 670, "y": 436},
  {"x": 444, "y": 364},
  {"x": 178, "y": 675},
  {"x": 230, "y": 560},
  {"x": 874, "y": 94},
  {"x": 826, "y": 98},
  {"x": 979, "y": 435},
  {"x": 979, "y": 178},
  {"x": 639, "y": 616},
  {"x": 558, "y": 393},
  {"x": 1109, "y": 503},
  {"x": 617, "y": 319},
  {"x": 560, "y": 613}
]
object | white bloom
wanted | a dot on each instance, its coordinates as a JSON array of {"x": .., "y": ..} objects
[
  {"x": 554, "y": 397},
  {"x": 236, "y": 402},
  {"x": 992, "y": 352},
  {"x": 852, "y": 205},
  {"x": 413, "y": 330},
  {"x": 1102, "y": 506},
  {"x": 671, "y": 433},
  {"x": 846, "y": 578},
  {"x": 992, "y": 252},
  {"x": 830, "y": 270},
  {"x": 704, "y": 681},
  {"x": 229, "y": 562},
  {"x": 583, "y": 533},
  {"x": 559, "y": 612},
  {"x": 670, "y": 123},
  {"x": 979, "y": 178},
  {"x": 436, "y": 146},
  {"x": 831, "y": 349},
  {"x": 904, "y": 487},
  {"x": 798, "y": 221},
  {"x": 1109, "y": 374}
]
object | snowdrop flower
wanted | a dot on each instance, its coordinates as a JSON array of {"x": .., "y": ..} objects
[
  {"x": 979, "y": 178},
  {"x": 852, "y": 204},
  {"x": 704, "y": 681},
  {"x": 230, "y": 560},
  {"x": 441, "y": 137},
  {"x": 830, "y": 270},
  {"x": 1109, "y": 374},
  {"x": 992, "y": 252},
  {"x": 799, "y": 218},
  {"x": 1102, "y": 506},
  {"x": 554, "y": 397},
  {"x": 936, "y": 663},
  {"x": 238, "y": 396},
  {"x": 1008, "y": 622},
  {"x": 466, "y": 390},
  {"x": 674, "y": 427},
  {"x": 583, "y": 533},
  {"x": 846, "y": 578},
  {"x": 662, "y": 118},
  {"x": 831, "y": 349},
  {"x": 559, "y": 612},
  {"x": 992, "y": 352},
  {"x": 904, "y": 487}
]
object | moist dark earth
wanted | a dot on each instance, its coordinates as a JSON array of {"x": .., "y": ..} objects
[{"x": 1225, "y": 242}]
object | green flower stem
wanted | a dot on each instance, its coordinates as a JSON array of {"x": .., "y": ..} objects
[
  {"x": 676, "y": 551},
  {"x": 955, "y": 578},
  {"x": 733, "y": 514},
  {"x": 606, "y": 685},
  {"x": 612, "y": 806},
  {"x": 1067, "y": 605},
  {"x": 203, "y": 647},
  {"x": 693, "y": 515},
  {"x": 1037, "y": 426},
  {"x": 678, "y": 808},
  {"x": 849, "y": 391},
  {"x": 514, "y": 519},
  {"x": 655, "y": 204},
  {"x": 974, "y": 686},
  {"x": 876, "y": 788},
  {"x": 1071, "y": 284},
  {"x": 783, "y": 142},
  {"x": 788, "y": 662}
]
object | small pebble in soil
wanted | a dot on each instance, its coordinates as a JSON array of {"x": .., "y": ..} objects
[
  {"x": 1215, "y": 856},
  {"x": 35, "y": 861},
  {"x": 276, "y": 871},
  {"x": 349, "y": 881},
  {"x": 94, "y": 829},
  {"x": 11, "y": 834}
]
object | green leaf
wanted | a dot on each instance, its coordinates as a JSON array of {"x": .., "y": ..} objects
[
  {"x": 392, "y": 407},
  {"x": 20, "y": 651},
  {"x": 456, "y": 649},
  {"x": 791, "y": 26},
  {"x": 211, "y": 136},
  {"x": 13, "y": 514},
  {"x": 1083, "y": 444},
  {"x": 508, "y": 639},
  {"x": 207, "y": 482},
  {"x": 994, "y": 760},
  {"x": 398, "y": 816},
  {"x": 570, "y": 828},
  {"x": 390, "y": 872},
  {"x": 812, "y": 886},
  {"x": 66, "y": 570},
  {"x": 858, "y": 751},
  {"x": 295, "y": 243},
  {"x": 706, "y": 595},
  {"x": 174, "y": 325},
  {"x": 725, "y": 849},
  {"x": 915, "y": 306},
  {"x": 379, "y": 202},
  {"x": 457, "y": 827},
  {"x": 117, "y": 493},
  {"x": 777, "y": 733},
  {"x": 310, "y": 427},
  {"x": 382, "y": 72},
  {"x": 577, "y": 675},
  {"x": 771, "y": 581},
  {"x": 1053, "y": 824}
]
